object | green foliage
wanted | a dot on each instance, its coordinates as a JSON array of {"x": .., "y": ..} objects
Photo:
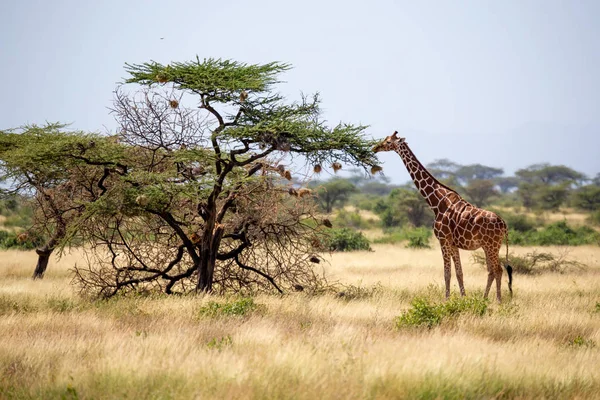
[
  {"x": 518, "y": 222},
  {"x": 220, "y": 343},
  {"x": 580, "y": 341},
  {"x": 594, "y": 218},
  {"x": 587, "y": 198},
  {"x": 425, "y": 313},
  {"x": 347, "y": 240},
  {"x": 550, "y": 174},
  {"x": 416, "y": 237},
  {"x": 236, "y": 308},
  {"x": 477, "y": 172},
  {"x": 480, "y": 191},
  {"x": 558, "y": 233},
  {"x": 352, "y": 219},
  {"x": 334, "y": 193},
  {"x": 10, "y": 240},
  {"x": 264, "y": 116},
  {"x": 404, "y": 206}
]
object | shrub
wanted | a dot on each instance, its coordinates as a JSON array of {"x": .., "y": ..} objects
[
  {"x": 353, "y": 292},
  {"x": 594, "y": 218},
  {"x": 558, "y": 233},
  {"x": 239, "y": 307},
  {"x": 220, "y": 343},
  {"x": 351, "y": 219},
  {"x": 9, "y": 240},
  {"x": 536, "y": 262},
  {"x": 348, "y": 240},
  {"x": 419, "y": 238},
  {"x": 429, "y": 314},
  {"x": 416, "y": 237},
  {"x": 580, "y": 341},
  {"x": 519, "y": 222}
]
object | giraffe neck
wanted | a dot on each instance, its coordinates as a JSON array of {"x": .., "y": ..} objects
[{"x": 430, "y": 188}]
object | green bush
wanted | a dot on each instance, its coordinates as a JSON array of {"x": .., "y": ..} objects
[
  {"x": 416, "y": 237},
  {"x": 9, "y": 240},
  {"x": 580, "y": 341},
  {"x": 239, "y": 307},
  {"x": 594, "y": 218},
  {"x": 558, "y": 233},
  {"x": 347, "y": 240},
  {"x": 429, "y": 314},
  {"x": 348, "y": 219}
]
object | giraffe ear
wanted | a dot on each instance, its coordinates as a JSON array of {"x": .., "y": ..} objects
[{"x": 395, "y": 135}]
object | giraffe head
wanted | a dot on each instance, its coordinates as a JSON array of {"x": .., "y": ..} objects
[{"x": 389, "y": 143}]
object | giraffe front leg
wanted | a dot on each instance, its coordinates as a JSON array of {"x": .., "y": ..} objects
[
  {"x": 458, "y": 268},
  {"x": 447, "y": 254}
]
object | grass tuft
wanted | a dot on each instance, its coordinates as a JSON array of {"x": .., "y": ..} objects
[
  {"x": 429, "y": 314},
  {"x": 235, "y": 308}
]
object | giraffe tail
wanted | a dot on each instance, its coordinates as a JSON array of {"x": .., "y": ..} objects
[{"x": 509, "y": 269}]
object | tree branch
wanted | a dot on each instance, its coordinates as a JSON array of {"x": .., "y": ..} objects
[{"x": 267, "y": 277}]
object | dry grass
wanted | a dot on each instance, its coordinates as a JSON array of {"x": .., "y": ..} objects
[{"x": 545, "y": 343}]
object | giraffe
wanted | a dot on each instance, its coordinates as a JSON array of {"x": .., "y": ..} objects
[{"x": 457, "y": 224}]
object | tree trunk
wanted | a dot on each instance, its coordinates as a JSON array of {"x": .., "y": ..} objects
[
  {"x": 209, "y": 248},
  {"x": 45, "y": 252},
  {"x": 43, "y": 258}
]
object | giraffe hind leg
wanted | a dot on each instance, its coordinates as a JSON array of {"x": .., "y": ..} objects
[
  {"x": 458, "y": 268},
  {"x": 494, "y": 272}
]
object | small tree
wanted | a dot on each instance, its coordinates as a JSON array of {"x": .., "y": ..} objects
[
  {"x": 468, "y": 173},
  {"x": 507, "y": 183},
  {"x": 588, "y": 198},
  {"x": 46, "y": 164},
  {"x": 334, "y": 192},
  {"x": 480, "y": 191},
  {"x": 404, "y": 206}
]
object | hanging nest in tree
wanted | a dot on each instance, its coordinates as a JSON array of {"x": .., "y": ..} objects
[
  {"x": 304, "y": 192},
  {"x": 174, "y": 103},
  {"x": 288, "y": 175},
  {"x": 336, "y": 166},
  {"x": 142, "y": 200},
  {"x": 315, "y": 242},
  {"x": 317, "y": 168},
  {"x": 327, "y": 223},
  {"x": 161, "y": 77},
  {"x": 243, "y": 96},
  {"x": 284, "y": 145},
  {"x": 195, "y": 238},
  {"x": 375, "y": 169},
  {"x": 22, "y": 237}
]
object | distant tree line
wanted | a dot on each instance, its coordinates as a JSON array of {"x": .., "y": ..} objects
[{"x": 538, "y": 187}]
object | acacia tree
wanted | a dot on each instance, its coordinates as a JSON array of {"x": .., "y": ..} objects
[
  {"x": 334, "y": 192},
  {"x": 199, "y": 196},
  {"x": 45, "y": 164}
]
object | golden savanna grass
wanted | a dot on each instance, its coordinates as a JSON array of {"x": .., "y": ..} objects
[{"x": 545, "y": 343}]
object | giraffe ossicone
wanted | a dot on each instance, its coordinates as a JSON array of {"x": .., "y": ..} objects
[{"x": 458, "y": 224}]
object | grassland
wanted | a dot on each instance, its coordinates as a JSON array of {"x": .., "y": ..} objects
[{"x": 545, "y": 343}]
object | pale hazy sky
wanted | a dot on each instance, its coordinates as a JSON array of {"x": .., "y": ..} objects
[{"x": 501, "y": 83}]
